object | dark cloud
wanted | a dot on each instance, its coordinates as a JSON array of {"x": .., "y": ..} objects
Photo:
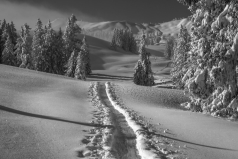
[{"x": 131, "y": 10}]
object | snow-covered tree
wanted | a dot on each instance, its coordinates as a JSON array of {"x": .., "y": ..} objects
[
  {"x": 8, "y": 57},
  {"x": 143, "y": 74},
  {"x": 59, "y": 46},
  {"x": 71, "y": 64},
  {"x": 13, "y": 33},
  {"x": 170, "y": 45},
  {"x": 80, "y": 70},
  {"x": 70, "y": 36},
  {"x": 211, "y": 80},
  {"x": 132, "y": 42},
  {"x": 84, "y": 48},
  {"x": 38, "y": 46},
  {"x": 50, "y": 51},
  {"x": 113, "y": 44},
  {"x": 26, "y": 49},
  {"x": 18, "y": 47},
  {"x": 123, "y": 38},
  {"x": 180, "y": 65}
]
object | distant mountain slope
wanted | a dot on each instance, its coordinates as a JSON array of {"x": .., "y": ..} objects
[
  {"x": 109, "y": 26},
  {"x": 173, "y": 27}
]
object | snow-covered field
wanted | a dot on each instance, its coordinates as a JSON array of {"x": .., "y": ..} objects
[
  {"x": 41, "y": 115},
  {"x": 198, "y": 135},
  {"x": 50, "y": 116}
]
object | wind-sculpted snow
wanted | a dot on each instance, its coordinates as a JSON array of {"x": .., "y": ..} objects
[{"x": 147, "y": 143}]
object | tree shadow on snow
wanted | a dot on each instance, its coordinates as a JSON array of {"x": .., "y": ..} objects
[
  {"x": 192, "y": 143},
  {"x": 10, "y": 110},
  {"x": 109, "y": 77}
]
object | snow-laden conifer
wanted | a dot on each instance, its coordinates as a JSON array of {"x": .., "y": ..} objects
[
  {"x": 211, "y": 80},
  {"x": 71, "y": 64},
  {"x": 85, "y": 49},
  {"x": 18, "y": 47},
  {"x": 38, "y": 46},
  {"x": 143, "y": 74},
  {"x": 180, "y": 65},
  {"x": 113, "y": 44},
  {"x": 50, "y": 51},
  {"x": 80, "y": 70},
  {"x": 71, "y": 36},
  {"x": 8, "y": 57},
  {"x": 26, "y": 53}
]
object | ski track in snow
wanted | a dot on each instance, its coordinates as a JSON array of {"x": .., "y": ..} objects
[
  {"x": 149, "y": 146},
  {"x": 128, "y": 135}
]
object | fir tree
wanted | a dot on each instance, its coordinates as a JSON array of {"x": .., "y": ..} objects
[
  {"x": 85, "y": 50},
  {"x": 71, "y": 65},
  {"x": 180, "y": 65},
  {"x": 211, "y": 80},
  {"x": 13, "y": 33},
  {"x": 143, "y": 74},
  {"x": 2, "y": 40},
  {"x": 113, "y": 44},
  {"x": 18, "y": 47},
  {"x": 50, "y": 51},
  {"x": 26, "y": 56},
  {"x": 132, "y": 42},
  {"x": 125, "y": 40},
  {"x": 169, "y": 50},
  {"x": 0, "y": 44},
  {"x": 37, "y": 46},
  {"x": 80, "y": 70},
  {"x": 8, "y": 57},
  {"x": 70, "y": 36},
  {"x": 59, "y": 46}
]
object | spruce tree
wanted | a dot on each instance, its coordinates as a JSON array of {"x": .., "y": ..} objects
[
  {"x": 132, "y": 42},
  {"x": 70, "y": 36},
  {"x": 84, "y": 48},
  {"x": 169, "y": 50},
  {"x": 26, "y": 53},
  {"x": 80, "y": 69},
  {"x": 211, "y": 80},
  {"x": 8, "y": 57},
  {"x": 180, "y": 65},
  {"x": 50, "y": 50},
  {"x": 60, "y": 58},
  {"x": 18, "y": 47},
  {"x": 2, "y": 40},
  {"x": 113, "y": 44},
  {"x": 13, "y": 33},
  {"x": 71, "y": 64},
  {"x": 38, "y": 47},
  {"x": 143, "y": 74}
]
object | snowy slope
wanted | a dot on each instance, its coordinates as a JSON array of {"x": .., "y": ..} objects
[
  {"x": 199, "y": 136},
  {"x": 41, "y": 115}
]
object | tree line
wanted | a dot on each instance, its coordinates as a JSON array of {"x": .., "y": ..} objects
[{"x": 47, "y": 50}]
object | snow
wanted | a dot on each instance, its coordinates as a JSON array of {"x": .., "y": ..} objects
[
  {"x": 203, "y": 135},
  {"x": 141, "y": 139},
  {"x": 41, "y": 115},
  {"x": 144, "y": 143}
]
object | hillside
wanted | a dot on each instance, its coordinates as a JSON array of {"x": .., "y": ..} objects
[{"x": 103, "y": 59}]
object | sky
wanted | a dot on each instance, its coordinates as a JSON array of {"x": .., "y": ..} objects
[{"x": 28, "y": 11}]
